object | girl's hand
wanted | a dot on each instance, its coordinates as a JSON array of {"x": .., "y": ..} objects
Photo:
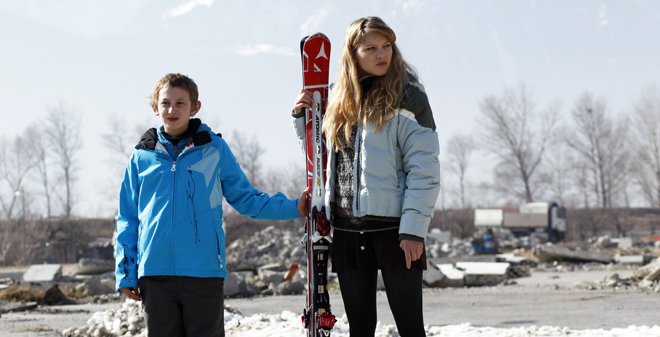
[
  {"x": 413, "y": 250},
  {"x": 304, "y": 100}
]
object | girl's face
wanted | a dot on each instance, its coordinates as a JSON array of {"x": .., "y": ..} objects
[{"x": 374, "y": 55}]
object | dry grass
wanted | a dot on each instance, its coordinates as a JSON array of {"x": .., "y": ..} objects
[
  {"x": 21, "y": 294},
  {"x": 71, "y": 292}
]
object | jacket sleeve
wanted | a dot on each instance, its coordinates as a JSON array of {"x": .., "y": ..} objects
[
  {"x": 246, "y": 199},
  {"x": 420, "y": 149},
  {"x": 298, "y": 120},
  {"x": 126, "y": 254}
]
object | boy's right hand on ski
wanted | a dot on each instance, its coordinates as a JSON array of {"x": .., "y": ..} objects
[
  {"x": 304, "y": 100},
  {"x": 303, "y": 203}
]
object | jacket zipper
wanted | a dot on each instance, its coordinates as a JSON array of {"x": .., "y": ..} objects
[
  {"x": 173, "y": 169},
  {"x": 356, "y": 170},
  {"x": 172, "y": 233}
]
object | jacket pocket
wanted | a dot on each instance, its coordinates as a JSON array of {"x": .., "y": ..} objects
[{"x": 219, "y": 241}]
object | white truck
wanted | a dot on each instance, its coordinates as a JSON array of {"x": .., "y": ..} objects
[{"x": 536, "y": 218}]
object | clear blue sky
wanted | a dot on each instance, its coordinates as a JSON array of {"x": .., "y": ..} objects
[{"x": 103, "y": 57}]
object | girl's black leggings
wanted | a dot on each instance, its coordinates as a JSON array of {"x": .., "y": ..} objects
[{"x": 404, "y": 295}]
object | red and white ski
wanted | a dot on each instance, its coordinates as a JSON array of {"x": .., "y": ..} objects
[{"x": 317, "y": 317}]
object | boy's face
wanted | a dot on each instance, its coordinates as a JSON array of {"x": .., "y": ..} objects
[{"x": 175, "y": 109}]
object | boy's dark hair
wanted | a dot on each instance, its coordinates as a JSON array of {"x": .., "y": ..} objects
[{"x": 173, "y": 80}]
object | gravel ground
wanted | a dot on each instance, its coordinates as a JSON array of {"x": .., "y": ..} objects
[{"x": 545, "y": 299}]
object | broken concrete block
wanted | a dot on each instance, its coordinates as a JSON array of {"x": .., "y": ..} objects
[
  {"x": 549, "y": 253},
  {"x": 98, "y": 286},
  {"x": 629, "y": 259},
  {"x": 433, "y": 276},
  {"x": 519, "y": 266},
  {"x": 290, "y": 288},
  {"x": 623, "y": 243},
  {"x": 643, "y": 271},
  {"x": 43, "y": 273},
  {"x": 270, "y": 276},
  {"x": 453, "y": 277},
  {"x": 231, "y": 285},
  {"x": 612, "y": 280},
  {"x": 88, "y": 266},
  {"x": 483, "y": 273},
  {"x": 653, "y": 275},
  {"x": 645, "y": 284}
]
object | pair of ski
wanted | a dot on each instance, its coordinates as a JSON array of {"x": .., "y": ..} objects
[{"x": 317, "y": 318}]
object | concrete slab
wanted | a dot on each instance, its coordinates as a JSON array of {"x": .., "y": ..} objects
[
  {"x": 653, "y": 275},
  {"x": 43, "y": 273},
  {"x": 511, "y": 258},
  {"x": 629, "y": 259},
  {"x": 484, "y": 273},
  {"x": 623, "y": 243},
  {"x": 484, "y": 268},
  {"x": 520, "y": 266},
  {"x": 433, "y": 276},
  {"x": 642, "y": 271},
  {"x": 549, "y": 253},
  {"x": 453, "y": 277},
  {"x": 88, "y": 266}
]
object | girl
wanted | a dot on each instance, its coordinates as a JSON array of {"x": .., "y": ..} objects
[{"x": 383, "y": 177}]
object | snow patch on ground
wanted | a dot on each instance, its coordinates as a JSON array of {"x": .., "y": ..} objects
[
  {"x": 288, "y": 324},
  {"x": 128, "y": 322}
]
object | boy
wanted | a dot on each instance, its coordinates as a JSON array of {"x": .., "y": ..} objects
[{"x": 170, "y": 250}]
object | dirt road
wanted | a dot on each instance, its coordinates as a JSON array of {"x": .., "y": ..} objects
[{"x": 543, "y": 299}]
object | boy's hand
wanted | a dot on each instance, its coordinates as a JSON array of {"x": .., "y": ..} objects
[
  {"x": 132, "y": 293},
  {"x": 303, "y": 203}
]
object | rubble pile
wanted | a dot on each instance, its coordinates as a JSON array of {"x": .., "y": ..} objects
[
  {"x": 126, "y": 321},
  {"x": 273, "y": 262},
  {"x": 268, "y": 246}
]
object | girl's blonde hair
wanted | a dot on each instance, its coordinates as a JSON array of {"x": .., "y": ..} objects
[{"x": 348, "y": 104}]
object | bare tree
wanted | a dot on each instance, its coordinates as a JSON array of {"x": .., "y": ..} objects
[
  {"x": 566, "y": 182},
  {"x": 120, "y": 140},
  {"x": 248, "y": 153},
  {"x": 289, "y": 179},
  {"x": 117, "y": 140},
  {"x": 601, "y": 143},
  {"x": 16, "y": 161},
  {"x": 646, "y": 123},
  {"x": 518, "y": 136},
  {"x": 62, "y": 126},
  {"x": 39, "y": 149},
  {"x": 459, "y": 150}
]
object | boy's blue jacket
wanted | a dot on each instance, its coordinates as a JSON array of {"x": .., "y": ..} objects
[{"x": 170, "y": 211}]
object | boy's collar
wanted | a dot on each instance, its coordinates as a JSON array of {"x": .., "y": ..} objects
[{"x": 193, "y": 127}]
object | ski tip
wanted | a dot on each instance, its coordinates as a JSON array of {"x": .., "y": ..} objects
[
  {"x": 302, "y": 43},
  {"x": 318, "y": 35}
]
